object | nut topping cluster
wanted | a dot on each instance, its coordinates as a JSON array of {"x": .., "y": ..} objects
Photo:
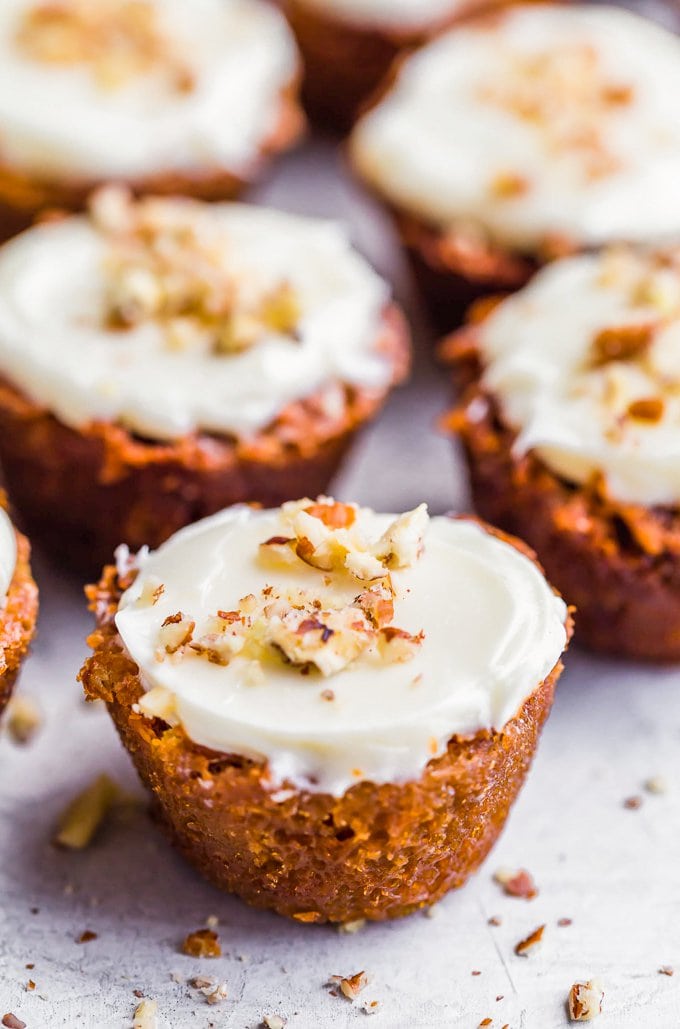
[
  {"x": 169, "y": 264},
  {"x": 117, "y": 40},
  {"x": 346, "y": 617},
  {"x": 634, "y": 377},
  {"x": 564, "y": 94}
]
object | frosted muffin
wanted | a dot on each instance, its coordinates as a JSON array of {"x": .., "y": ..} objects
[
  {"x": 348, "y": 46},
  {"x": 334, "y": 709},
  {"x": 18, "y": 603},
  {"x": 161, "y": 359},
  {"x": 166, "y": 96},
  {"x": 538, "y": 132},
  {"x": 571, "y": 420}
]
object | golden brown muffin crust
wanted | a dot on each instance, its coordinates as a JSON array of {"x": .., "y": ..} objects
[{"x": 17, "y": 618}]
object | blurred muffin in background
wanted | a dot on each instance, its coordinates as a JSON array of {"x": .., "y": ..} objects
[
  {"x": 18, "y": 603},
  {"x": 570, "y": 419},
  {"x": 348, "y": 46},
  {"x": 167, "y": 96},
  {"x": 538, "y": 132},
  {"x": 164, "y": 358}
]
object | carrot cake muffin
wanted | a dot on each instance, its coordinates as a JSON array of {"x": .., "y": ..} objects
[
  {"x": 540, "y": 131},
  {"x": 18, "y": 603},
  {"x": 168, "y": 96},
  {"x": 161, "y": 359},
  {"x": 571, "y": 421},
  {"x": 348, "y": 46},
  {"x": 334, "y": 708}
]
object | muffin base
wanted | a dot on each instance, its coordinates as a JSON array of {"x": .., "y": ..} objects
[
  {"x": 83, "y": 492},
  {"x": 618, "y": 564},
  {"x": 452, "y": 272},
  {"x": 24, "y": 197},
  {"x": 376, "y": 852},
  {"x": 17, "y": 620}
]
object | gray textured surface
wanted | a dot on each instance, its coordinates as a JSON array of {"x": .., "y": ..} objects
[{"x": 614, "y": 871}]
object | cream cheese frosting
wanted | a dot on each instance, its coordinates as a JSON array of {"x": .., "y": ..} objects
[
  {"x": 57, "y": 119},
  {"x": 397, "y": 14},
  {"x": 585, "y": 363},
  {"x": 57, "y": 346},
  {"x": 8, "y": 552},
  {"x": 545, "y": 122},
  {"x": 484, "y": 628}
]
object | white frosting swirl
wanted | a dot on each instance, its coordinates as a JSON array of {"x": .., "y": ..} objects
[
  {"x": 54, "y": 346},
  {"x": 390, "y": 14},
  {"x": 56, "y": 121},
  {"x": 546, "y": 120},
  {"x": 493, "y": 631},
  {"x": 539, "y": 349},
  {"x": 8, "y": 552}
]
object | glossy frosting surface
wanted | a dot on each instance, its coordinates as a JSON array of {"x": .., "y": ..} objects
[
  {"x": 56, "y": 346},
  {"x": 57, "y": 119},
  {"x": 542, "y": 123}
]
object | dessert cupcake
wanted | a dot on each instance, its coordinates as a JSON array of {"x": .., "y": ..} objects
[
  {"x": 570, "y": 417},
  {"x": 541, "y": 131},
  {"x": 334, "y": 709},
  {"x": 348, "y": 46},
  {"x": 166, "y": 96},
  {"x": 161, "y": 359},
  {"x": 18, "y": 603}
]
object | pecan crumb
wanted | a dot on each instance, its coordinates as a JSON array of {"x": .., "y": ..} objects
[
  {"x": 145, "y": 1016},
  {"x": 485, "y": 1022},
  {"x": 203, "y": 943},
  {"x": 352, "y": 927},
  {"x": 23, "y": 719},
  {"x": 495, "y": 920},
  {"x": 11, "y": 1021},
  {"x": 351, "y": 986},
  {"x": 657, "y": 785},
  {"x": 86, "y": 936},
  {"x": 518, "y": 883},
  {"x": 475, "y": 972},
  {"x": 666, "y": 970},
  {"x": 585, "y": 1001},
  {"x": 273, "y": 1022},
  {"x": 83, "y": 816},
  {"x": 632, "y": 803},
  {"x": 30, "y": 985},
  {"x": 215, "y": 995},
  {"x": 647, "y": 409},
  {"x": 524, "y": 946},
  {"x": 563, "y": 922}
]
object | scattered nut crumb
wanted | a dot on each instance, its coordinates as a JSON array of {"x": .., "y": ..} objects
[
  {"x": 86, "y": 936},
  {"x": 485, "y": 1022},
  {"x": 11, "y": 1021},
  {"x": 216, "y": 994},
  {"x": 204, "y": 943},
  {"x": 657, "y": 784},
  {"x": 83, "y": 816},
  {"x": 564, "y": 922},
  {"x": 273, "y": 1022},
  {"x": 370, "y": 1007},
  {"x": 523, "y": 948},
  {"x": 201, "y": 982},
  {"x": 517, "y": 883},
  {"x": 475, "y": 972},
  {"x": 352, "y": 927},
  {"x": 495, "y": 920},
  {"x": 146, "y": 1015},
  {"x": 212, "y": 921},
  {"x": 30, "y": 986},
  {"x": 23, "y": 719},
  {"x": 351, "y": 986},
  {"x": 585, "y": 1001},
  {"x": 632, "y": 803},
  {"x": 138, "y": 993},
  {"x": 666, "y": 970}
]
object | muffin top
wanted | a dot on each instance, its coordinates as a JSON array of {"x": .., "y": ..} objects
[
  {"x": 132, "y": 88},
  {"x": 585, "y": 363},
  {"x": 398, "y": 14},
  {"x": 8, "y": 552},
  {"x": 542, "y": 126},
  {"x": 339, "y": 644},
  {"x": 173, "y": 316}
]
